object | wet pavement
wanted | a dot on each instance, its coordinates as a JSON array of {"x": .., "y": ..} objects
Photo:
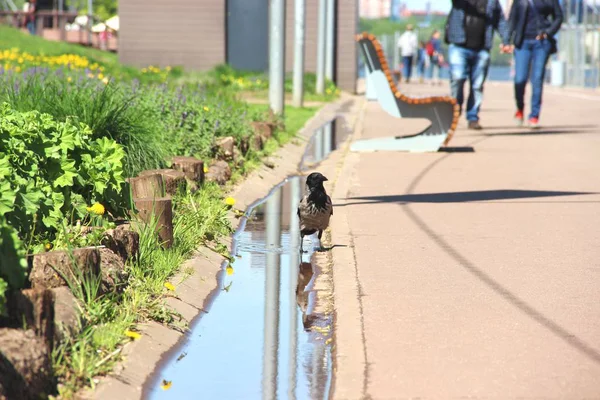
[{"x": 261, "y": 337}]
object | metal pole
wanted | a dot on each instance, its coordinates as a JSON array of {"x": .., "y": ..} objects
[
  {"x": 272, "y": 282},
  {"x": 277, "y": 55},
  {"x": 300, "y": 18},
  {"x": 396, "y": 63},
  {"x": 295, "y": 259},
  {"x": 89, "y": 22},
  {"x": 330, "y": 49},
  {"x": 321, "y": 48}
]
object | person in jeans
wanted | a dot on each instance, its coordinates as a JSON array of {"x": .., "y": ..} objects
[
  {"x": 532, "y": 26},
  {"x": 408, "y": 44},
  {"x": 469, "y": 31},
  {"x": 422, "y": 61},
  {"x": 436, "y": 57}
]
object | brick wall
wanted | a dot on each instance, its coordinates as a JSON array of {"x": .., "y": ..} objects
[{"x": 183, "y": 32}]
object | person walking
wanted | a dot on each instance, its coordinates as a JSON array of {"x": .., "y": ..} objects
[
  {"x": 436, "y": 57},
  {"x": 422, "y": 61},
  {"x": 469, "y": 32},
  {"x": 30, "y": 9},
  {"x": 532, "y": 26},
  {"x": 408, "y": 44}
]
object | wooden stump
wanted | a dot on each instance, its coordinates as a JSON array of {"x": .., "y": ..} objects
[
  {"x": 33, "y": 309},
  {"x": 162, "y": 209},
  {"x": 51, "y": 269},
  {"x": 191, "y": 167},
  {"x": 147, "y": 187},
  {"x": 173, "y": 180}
]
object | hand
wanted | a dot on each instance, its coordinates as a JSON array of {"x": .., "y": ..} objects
[
  {"x": 542, "y": 36},
  {"x": 506, "y": 48}
]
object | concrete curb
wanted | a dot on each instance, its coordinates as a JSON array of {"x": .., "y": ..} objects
[{"x": 141, "y": 358}]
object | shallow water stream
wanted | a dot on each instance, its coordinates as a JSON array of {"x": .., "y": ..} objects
[{"x": 260, "y": 337}]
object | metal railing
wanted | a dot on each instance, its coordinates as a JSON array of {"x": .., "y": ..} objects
[{"x": 579, "y": 44}]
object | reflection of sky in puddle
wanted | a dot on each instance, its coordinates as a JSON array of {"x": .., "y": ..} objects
[{"x": 231, "y": 353}]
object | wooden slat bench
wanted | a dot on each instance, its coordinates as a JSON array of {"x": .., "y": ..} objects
[{"x": 441, "y": 111}]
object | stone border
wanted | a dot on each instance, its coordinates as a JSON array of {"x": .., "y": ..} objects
[{"x": 194, "y": 293}]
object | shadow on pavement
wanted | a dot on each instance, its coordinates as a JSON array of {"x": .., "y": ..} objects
[
  {"x": 461, "y": 197},
  {"x": 539, "y": 132},
  {"x": 561, "y": 127}
]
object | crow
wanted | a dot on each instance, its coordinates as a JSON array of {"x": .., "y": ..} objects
[{"x": 315, "y": 208}]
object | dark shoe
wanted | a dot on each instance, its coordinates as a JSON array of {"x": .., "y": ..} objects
[{"x": 475, "y": 125}]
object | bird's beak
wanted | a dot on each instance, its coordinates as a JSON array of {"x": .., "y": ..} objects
[{"x": 325, "y": 179}]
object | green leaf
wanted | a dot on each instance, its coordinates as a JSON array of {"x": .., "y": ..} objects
[
  {"x": 7, "y": 197},
  {"x": 69, "y": 172}
]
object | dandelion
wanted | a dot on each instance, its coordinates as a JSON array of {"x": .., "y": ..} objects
[
  {"x": 69, "y": 79},
  {"x": 48, "y": 246},
  {"x": 96, "y": 208},
  {"x": 229, "y": 270},
  {"x": 230, "y": 201},
  {"x": 166, "y": 385},
  {"x": 133, "y": 335},
  {"x": 100, "y": 76},
  {"x": 205, "y": 169},
  {"x": 206, "y": 108},
  {"x": 105, "y": 81},
  {"x": 170, "y": 286}
]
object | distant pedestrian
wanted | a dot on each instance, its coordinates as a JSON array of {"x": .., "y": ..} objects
[
  {"x": 30, "y": 9},
  {"x": 532, "y": 26},
  {"x": 422, "y": 61},
  {"x": 408, "y": 44},
  {"x": 436, "y": 57},
  {"x": 469, "y": 31}
]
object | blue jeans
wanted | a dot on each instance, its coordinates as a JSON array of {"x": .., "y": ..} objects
[
  {"x": 31, "y": 27},
  {"x": 407, "y": 62},
  {"x": 472, "y": 65},
  {"x": 533, "y": 55}
]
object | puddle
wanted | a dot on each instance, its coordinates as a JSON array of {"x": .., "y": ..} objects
[
  {"x": 326, "y": 139},
  {"x": 261, "y": 337}
]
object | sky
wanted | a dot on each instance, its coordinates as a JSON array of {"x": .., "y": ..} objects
[{"x": 436, "y": 5}]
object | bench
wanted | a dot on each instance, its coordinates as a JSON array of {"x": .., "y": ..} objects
[{"x": 441, "y": 111}]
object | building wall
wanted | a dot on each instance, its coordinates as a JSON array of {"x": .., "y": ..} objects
[
  {"x": 182, "y": 32},
  {"x": 192, "y": 33}
]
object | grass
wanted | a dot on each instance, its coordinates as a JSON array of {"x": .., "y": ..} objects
[
  {"x": 183, "y": 117},
  {"x": 109, "y": 320}
]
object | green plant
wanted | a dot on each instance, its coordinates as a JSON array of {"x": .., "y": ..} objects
[
  {"x": 13, "y": 267},
  {"x": 52, "y": 170}
]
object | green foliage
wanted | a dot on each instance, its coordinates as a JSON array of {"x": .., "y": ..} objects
[
  {"x": 13, "y": 267},
  {"x": 108, "y": 109},
  {"x": 52, "y": 170}
]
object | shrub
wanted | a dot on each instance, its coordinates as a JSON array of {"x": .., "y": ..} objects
[{"x": 52, "y": 170}]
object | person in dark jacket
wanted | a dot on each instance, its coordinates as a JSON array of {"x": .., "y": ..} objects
[
  {"x": 532, "y": 26},
  {"x": 469, "y": 31}
]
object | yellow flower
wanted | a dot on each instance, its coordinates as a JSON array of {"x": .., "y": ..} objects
[
  {"x": 206, "y": 108},
  {"x": 91, "y": 76},
  {"x": 48, "y": 246},
  {"x": 133, "y": 335},
  {"x": 205, "y": 169},
  {"x": 166, "y": 385},
  {"x": 96, "y": 208},
  {"x": 169, "y": 286},
  {"x": 230, "y": 201},
  {"x": 105, "y": 81},
  {"x": 69, "y": 79},
  {"x": 167, "y": 68},
  {"x": 229, "y": 270},
  {"x": 144, "y": 70},
  {"x": 100, "y": 76}
]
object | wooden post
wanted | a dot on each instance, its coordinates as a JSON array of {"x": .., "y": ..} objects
[
  {"x": 191, "y": 167},
  {"x": 147, "y": 186},
  {"x": 173, "y": 180},
  {"x": 162, "y": 209}
]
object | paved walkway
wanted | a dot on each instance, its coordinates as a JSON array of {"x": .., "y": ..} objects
[{"x": 472, "y": 274}]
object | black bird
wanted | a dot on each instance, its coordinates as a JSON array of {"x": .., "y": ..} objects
[{"x": 315, "y": 208}]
